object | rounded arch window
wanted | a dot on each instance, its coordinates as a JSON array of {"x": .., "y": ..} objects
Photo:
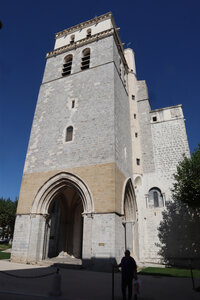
[
  {"x": 69, "y": 134},
  {"x": 85, "y": 61},
  {"x": 67, "y": 66},
  {"x": 155, "y": 198}
]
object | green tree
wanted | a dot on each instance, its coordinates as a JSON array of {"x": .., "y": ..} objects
[
  {"x": 179, "y": 232},
  {"x": 7, "y": 216},
  {"x": 186, "y": 187}
]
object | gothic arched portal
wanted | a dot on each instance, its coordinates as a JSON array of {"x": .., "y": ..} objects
[
  {"x": 63, "y": 200},
  {"x": 65, "y": 224},
  {"x": 130, "y": 218}
]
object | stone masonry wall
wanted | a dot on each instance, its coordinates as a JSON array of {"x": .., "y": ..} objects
[
  {"x": 123, "y": 145},
  {"x": 92, "y": 119},
  {"x": 101, "y": 52},
  {"x": 107, "y": 236},
  {"x": 145, "y": 136},
  {"x": 169, "y": 142}
]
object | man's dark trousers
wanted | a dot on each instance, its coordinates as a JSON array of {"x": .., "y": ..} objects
[{"x": 127, "y": 283}]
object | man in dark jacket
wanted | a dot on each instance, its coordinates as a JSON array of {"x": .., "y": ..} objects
[{"x": 129, "y": 271}]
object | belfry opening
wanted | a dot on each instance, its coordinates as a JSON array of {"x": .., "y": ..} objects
[{"x": 64, "y": 225}]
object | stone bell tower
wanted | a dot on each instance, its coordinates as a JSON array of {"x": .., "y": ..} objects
[{"x": 77, "y": 195}]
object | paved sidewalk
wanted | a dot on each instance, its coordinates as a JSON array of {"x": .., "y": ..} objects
[{"x": 85, "y": 285}]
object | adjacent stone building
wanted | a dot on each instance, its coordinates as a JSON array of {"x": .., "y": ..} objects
[{"x": 99, "y": 164}]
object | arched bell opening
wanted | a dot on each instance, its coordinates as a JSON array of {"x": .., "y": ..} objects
[{"x": 65, "y": 224}]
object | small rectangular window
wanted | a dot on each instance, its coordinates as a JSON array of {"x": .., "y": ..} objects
[
  {"x": 154, "y": 119},
  {"x": 136, "y": 134},
  {"x": 133, "y": 97},
  {"x": 73, "y": 103},
  {"x": 137, "y": 161},
  {"x": 134, "y": 116}
]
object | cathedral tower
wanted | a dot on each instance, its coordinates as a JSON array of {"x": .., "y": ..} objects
[
  {"x": 77, "y": 195},
  {"x": 100, "y": 163}
]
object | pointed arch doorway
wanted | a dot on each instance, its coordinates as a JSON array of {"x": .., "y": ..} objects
[
  {"x": 64, "y": 228},
  {"x": 130, "y": 218},
  {"x": 65, "y": 203}
]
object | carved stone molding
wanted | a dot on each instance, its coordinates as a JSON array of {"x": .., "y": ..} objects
[
  {"x": 81, "y": 43},
  {"x": 82, "y": 25}
]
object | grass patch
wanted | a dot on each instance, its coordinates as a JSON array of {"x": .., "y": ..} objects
[
  {"x": 4, "y": 247},
  {"x": 174, "y": 272},
  {"x": 4, "y": 255}
]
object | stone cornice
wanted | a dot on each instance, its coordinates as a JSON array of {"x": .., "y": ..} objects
[
  {"x": 83, "y": 25},
  {"x": 112, "y": 31},
  {"x": 81, "y": 43},
  {"x": 166, "y": 108}
]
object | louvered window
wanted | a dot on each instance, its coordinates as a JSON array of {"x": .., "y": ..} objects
[
  {"x": 85, "y": 62},
  {"x": 67, "y": 66}
]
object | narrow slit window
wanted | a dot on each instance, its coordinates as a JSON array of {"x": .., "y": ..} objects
[
  {"x": 137, "y": 161},
  {"x": 133, "y": 97},
  {"x": 69, "y": 134},
  {"x": 85, "y": 61},
  {"x": 120, "y": 67},
  {"x": 136, "y": 134},
  {"x": 73, "y": 103},
  {"x": 67, "y": 66},
  {"x": 124, "y": 77},
  {"x": 134, "y": 116}
]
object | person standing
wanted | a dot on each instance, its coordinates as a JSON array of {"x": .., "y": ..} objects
[{"x": 129, "y": 271}]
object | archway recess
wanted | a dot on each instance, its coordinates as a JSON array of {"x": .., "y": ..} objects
[
  {"x": 54, "y": 185},
  {"x": 129, "y": 208},
  {"x": 63, "y": 200}
]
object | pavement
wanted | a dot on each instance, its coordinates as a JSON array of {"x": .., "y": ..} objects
[{"x": 21, "y": 282}]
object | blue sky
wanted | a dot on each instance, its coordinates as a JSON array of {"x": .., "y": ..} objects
[{"x": 165, "y": 36}]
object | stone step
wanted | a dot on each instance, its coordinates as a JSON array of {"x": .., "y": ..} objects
[{"x": 62, "y": 262}]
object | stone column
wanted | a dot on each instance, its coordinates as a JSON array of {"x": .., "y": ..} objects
[
  {"x": 87, "y": 236},
  {"x": 36, "y": 241},
  {"x": 129, "y": 236},
  {"x": 21, "y": 239}
]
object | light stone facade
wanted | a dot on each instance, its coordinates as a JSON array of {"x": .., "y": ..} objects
[{"x": 91, "y": 196}]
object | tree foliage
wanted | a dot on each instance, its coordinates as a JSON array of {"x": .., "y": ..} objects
[
  {"x": 179, "y": 234},
  {"x": 7, "y": 216},
  {"x": 187, "y": 180}
]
